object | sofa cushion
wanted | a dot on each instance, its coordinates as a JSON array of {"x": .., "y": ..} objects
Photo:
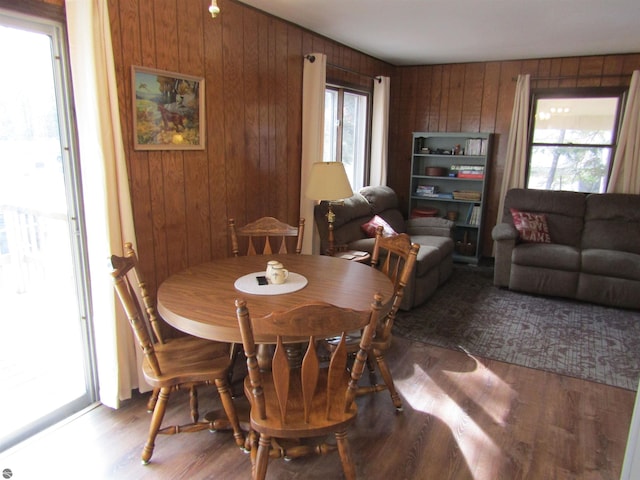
[
  {"x": 349, "y": 231},
  {"x": 370, "y": 228},
  {"x": 433, "y": 250},
  {"x": 362, "y": 244},
  {"x": 439, "y": 227},
  {"x": 616, "y": 292},
  {"x": 564, "y": 210},
  {"x": 395, "y": 219},
  {"x": 532, "y": 227},
  {"x": 544, "y": 280},
  {"x": 547, "y": 255},
  {"x": 380, "y": 198},
  {"x": 612, "y": 222},
  {"x": 611, "y": 263}
]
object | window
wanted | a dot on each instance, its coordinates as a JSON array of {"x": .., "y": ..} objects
[
  {"x": 346, "y": 121},
  {"x": 573, "y": 139}
]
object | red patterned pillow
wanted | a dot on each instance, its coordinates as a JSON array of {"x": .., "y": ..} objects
[
  {"x": 370, "y": 227},
  {"x": 532, "y": 227}
]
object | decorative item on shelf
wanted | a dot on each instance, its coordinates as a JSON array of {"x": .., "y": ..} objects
[
  {"x": 435, "y": 171},
  {"x": 452, "y": 215},
  {"x": 465, "y": 247},
  {"x": 424, "y": 212},
  {"x": 328, "y": 182},
  {"x": 467, "y": 195}
]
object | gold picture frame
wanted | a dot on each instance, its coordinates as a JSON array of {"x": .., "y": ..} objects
[{"x": 168, "y": 110}]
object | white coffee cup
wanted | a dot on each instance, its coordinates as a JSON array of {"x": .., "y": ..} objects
[{"x": 278, "y": 275}]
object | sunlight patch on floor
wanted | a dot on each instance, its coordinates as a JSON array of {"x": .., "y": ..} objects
[
  {"x": 486, "y": 389},
  {"x": 445, "y": 397}
]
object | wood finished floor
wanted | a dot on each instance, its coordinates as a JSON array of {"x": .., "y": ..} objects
[{"x": 464, "y": 418}]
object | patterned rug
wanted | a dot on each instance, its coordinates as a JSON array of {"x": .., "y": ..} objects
[{"x": 468, "y": 313}]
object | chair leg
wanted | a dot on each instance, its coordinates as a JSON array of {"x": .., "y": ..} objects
[
  {"x": 388, "y": 379},
  {"x": 345, "y": 455},
  {"x": 156, "y": 421},
  {"x": 262, "y": 458},
  {"x": 230, "y": 410},
  {"x": 151, "y": 403},
  {"x": 193, "y": 403},
  {"x": 372, "y": 370}
]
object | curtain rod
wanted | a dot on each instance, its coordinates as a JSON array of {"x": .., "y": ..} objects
[
  {"x": 575, "y": 77},
  {"x": 312, "y": 59}
]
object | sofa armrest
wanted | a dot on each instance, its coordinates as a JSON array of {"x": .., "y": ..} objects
[
  {"x": 439, "y": 227},
  {"x": 505, "y": 237},
  {"x": 504, "y": 231}
]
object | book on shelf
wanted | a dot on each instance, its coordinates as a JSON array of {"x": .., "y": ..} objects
[
  {"x": 473, "y": 216},
  {"x": 468, "y": 171},
  {"x": 476, "y": 176},
  {"x": 435, "y": 195},
  {"x": 426, "y": 189},
  {"x": 473, "y": 146},
  {"x": 484, "y": 146},
  {"x": 467, "y": 168}
]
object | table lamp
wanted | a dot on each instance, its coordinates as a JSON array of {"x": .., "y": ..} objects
[{"x": 328, "y": 181}]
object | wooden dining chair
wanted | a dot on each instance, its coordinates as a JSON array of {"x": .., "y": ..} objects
[
  {"x": 313, "y": 400},
  {"x": 181, "y": 363},
  {"x": 395, "y": 256},
  {"x": 262, "y": 234}
]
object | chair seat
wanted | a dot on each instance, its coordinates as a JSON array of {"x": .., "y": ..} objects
[
  {"x": 379, "y": 342},
  {"x": 188, "y": 360},
  {"x": 295, "y": 426}
]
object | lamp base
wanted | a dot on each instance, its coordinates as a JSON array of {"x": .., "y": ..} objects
[{"x": 331, "y": 217}]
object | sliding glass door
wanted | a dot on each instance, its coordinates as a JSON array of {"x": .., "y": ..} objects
[{"x": 46, "y": 367}]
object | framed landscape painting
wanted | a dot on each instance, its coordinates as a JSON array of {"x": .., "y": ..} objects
[{"x": 168, "y": 110}]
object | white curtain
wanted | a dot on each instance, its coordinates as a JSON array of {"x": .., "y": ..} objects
[
  {"x": 515, "y": 163},
  {"x": 313, "y": 85},
  {"x": 105, "y": 190},
  {"x": 379, "y": 131},
  {"x": 625, "y": 174}
]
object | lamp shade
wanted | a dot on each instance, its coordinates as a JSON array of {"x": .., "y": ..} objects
[{"x": 328, "y": 181}]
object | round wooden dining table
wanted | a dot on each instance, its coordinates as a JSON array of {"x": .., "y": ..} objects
[{"x": 201, "y": 299}]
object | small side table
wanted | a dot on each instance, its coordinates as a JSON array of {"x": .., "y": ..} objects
[{"x": 354, "y": 256}]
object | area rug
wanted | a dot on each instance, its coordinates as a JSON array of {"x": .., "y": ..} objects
[{"x": 577, "y": 339}]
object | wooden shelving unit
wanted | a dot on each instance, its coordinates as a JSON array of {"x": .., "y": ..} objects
[{"x": 449, "y": 173}]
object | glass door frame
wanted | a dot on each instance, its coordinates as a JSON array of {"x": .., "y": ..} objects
[{"x": 75, "y": 215}]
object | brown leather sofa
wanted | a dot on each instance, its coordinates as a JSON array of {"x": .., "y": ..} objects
[
  {"x": 434, "y": 235},
  {"x": 594, "y": 254}
]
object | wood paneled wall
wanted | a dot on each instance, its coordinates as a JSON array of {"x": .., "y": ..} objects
[
  {"x": 252, "y": 64},
  {"x": 478, "y": 97}
]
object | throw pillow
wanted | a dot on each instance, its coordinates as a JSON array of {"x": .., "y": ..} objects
[
  {"x": 532, "y": 227},
  {"x": 370, "y": 227}
]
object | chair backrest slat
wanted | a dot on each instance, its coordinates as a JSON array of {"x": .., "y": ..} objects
[
  {"x": 261, "y": 233},
  {"x": 310, "y": 370},
  {"x": 281, "y": 377}
]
